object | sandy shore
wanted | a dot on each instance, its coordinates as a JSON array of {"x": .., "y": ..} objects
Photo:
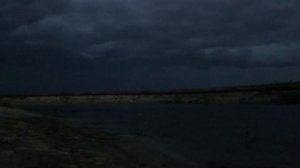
[{"x": 30, "y": 140}]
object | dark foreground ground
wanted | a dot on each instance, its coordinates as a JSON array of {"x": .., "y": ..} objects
[
  {"x": 29, "y": 140},
  {"x": 151, "y": 136}
]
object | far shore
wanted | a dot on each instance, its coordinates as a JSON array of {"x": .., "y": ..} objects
[{"x": 279, "y": 93}]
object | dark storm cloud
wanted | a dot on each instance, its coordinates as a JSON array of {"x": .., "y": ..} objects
[{"x": 91, "y": 38}]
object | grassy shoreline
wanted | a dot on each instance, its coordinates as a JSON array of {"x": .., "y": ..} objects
[{"x": 282, "y": 93}]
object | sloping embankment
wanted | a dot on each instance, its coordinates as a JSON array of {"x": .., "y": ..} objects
[{"x": 30, "y": 140}]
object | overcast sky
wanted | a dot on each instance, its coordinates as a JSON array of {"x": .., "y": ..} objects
[{"x": 96, "y": 45}]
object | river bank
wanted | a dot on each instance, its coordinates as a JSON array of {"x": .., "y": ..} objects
[
  {"x": 31, "y": 140},
  {"x": 209, "y": 136}
]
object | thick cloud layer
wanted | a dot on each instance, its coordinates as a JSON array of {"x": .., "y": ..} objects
[{"x": 83, "y": 45}]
